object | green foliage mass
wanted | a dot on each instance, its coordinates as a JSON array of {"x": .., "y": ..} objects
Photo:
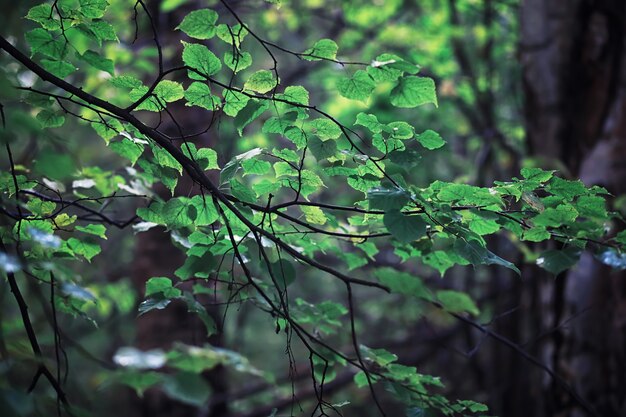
[{"x": 287, "y": 188}]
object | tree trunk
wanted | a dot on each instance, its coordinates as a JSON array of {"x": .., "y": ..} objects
[{"x": 573, "y": 58}]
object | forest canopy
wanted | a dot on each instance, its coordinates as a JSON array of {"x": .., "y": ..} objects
[{"x": 264, "y": 208}]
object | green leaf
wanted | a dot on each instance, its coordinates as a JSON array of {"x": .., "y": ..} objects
[
  {"x": 125, "y": 81},
  {"x": 467, "y": 194},
  {"x": 194, "y": 306},
  {"x": 201, "y": 59},
  {"x": 314, "y": 215},
  {"x": 439, "y": 260},
  {"x": 363, "y": 183},
  {"x": 359, "y": 87},
  {"x": 322, "y": 149},
  {"x": 242, "y": 192},
  {"x": 94, "y": 229},
  {"x": 369, "y": 121},
  {"x": 380, "y": 357},
  {"x": 199, "y": 94},
  {"x": 238, "y": 62},
  {"x": 164, "y": 159},
  {"x": 566, "y": 189},
  {"x": 199, "y": 24},
  {"x": 255, "y": 166},
  {"x": 477, "y": 254},
  {"x": 484, "y": 226},
  {"x": 196, "y": 266},
  {"x": 206, "y": 213},
  {"x": 413, "y": 91},
  {"x": 536, "y": 174},
  {"x": 395, "y": 62},
  {"x": 195, "y": 359},
  {"x": 296, "y": 94},
  {"x": 178, "y": 213},
  {"x": 430, "y": 139},
  {"x": 40, "y": 40},
  {"x": 282, "y": 272},
  {"x": 591, "y": 206},
  {"x": 326, "y": 129},
  {"x": 44, "y": 15},
  {"x": 536, "y": 234},
  {"x": 229, "y": 170},
  {"x": 41, "y": 207},
  {"x": 557, "y": 261},
  {"x": 248, "y": 114},
  {"x": 387, "y": 199},
  {"x": 49, "y": 118},
  {"x": 261, "y": 81},
  {"x": 322, "y": 49},
  {"x": 276, "y": 125},
  {"x": 104, "y": 31},
  {"x": 187, "y": 387},
  {"x": 153, "y": 304},
  {"x": 166, "y": 91},
  {"x": 163, "y": 286},
  {"x": 59, "y": 68},
  {"x": 93, "y": 9},
  {"x": 97, "y": 61},
  {"x": 169, "y": 91},
  {"x": 403, "y": 283},
  {"x": 139, "y": 381},
  {"x": 457, "y": 302},
  {"x": 127, "y": 149},
  {"x": 389, "y": 67},
  {"x": 556, "y": 216},
  {"x": 231, "y": 34},
  {"x": 405, "y": 228},
  {"x": 400, "y": 130},
  {"x": 86, "y": 249},
  {"x": 473, "y": 406},
  {"x": 234, "y": 102},
  {"x": 206, "y": 158},
  {"x": 152, "y": 213}
]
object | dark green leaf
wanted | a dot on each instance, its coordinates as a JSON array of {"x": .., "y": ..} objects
[
  {"x": 477, "y": 254},
  {"x": 387, "y": 199},
  {"x": 457, "y": 302},
  {"x": 59, "y": 68},
  {"x": 405, "y": 228},
  {"x": 557, "y": 261},
  {"x": 97, "y": 61}
]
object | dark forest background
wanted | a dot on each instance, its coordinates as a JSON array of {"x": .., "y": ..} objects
[{"x": 520, "y": 83}]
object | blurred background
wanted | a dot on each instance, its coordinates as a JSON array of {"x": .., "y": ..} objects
[{"x": 520, "y": 83}]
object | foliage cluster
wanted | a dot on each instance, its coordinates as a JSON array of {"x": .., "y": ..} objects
[{"x": 253, "y": 226}]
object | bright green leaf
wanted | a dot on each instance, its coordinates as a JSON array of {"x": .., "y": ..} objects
[
  {"x": 413, "y": 91},
  {"x": 199, "y": 24}
]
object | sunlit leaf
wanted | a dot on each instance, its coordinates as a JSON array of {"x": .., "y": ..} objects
[
  {"x": 199, "y": 24},
  {"x": 414, "y": 91}
]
